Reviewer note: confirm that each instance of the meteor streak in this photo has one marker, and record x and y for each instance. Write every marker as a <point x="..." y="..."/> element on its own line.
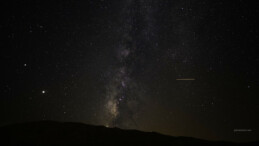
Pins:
<point x="187" y="79"/>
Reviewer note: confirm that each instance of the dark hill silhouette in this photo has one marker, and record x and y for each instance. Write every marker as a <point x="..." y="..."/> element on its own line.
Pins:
<point x="57" y="133"/>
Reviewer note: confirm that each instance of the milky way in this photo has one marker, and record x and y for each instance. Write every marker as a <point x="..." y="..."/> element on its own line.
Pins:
<point x="124" y="94"/>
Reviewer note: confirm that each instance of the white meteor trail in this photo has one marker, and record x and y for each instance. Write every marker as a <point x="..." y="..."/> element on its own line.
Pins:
<point x="186" y="79"/>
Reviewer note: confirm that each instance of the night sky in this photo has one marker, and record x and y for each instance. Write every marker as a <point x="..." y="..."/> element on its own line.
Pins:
<point x="177" y="67"/>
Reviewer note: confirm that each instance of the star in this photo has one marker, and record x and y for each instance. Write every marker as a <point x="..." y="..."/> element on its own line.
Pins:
<point x="43" y="91"/>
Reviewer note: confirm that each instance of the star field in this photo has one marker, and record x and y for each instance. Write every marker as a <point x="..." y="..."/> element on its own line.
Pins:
<point x="182" y="68"/>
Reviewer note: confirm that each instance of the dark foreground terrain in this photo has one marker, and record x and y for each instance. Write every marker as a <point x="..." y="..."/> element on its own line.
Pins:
<point x="56" y="133"/>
